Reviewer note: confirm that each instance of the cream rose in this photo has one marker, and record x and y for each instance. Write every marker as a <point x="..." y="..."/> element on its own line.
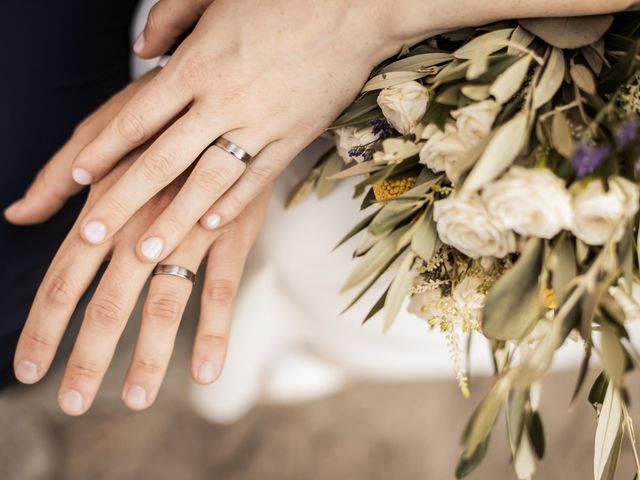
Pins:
<point x="443" y="150"/>
<point x="464" y="223"/>
<point x="349" y="138"/>
<point x="468" y="297"/>
<point x="531" y="202"/>
<point x="474" y="121"/>
<point x="600" y="215"/>
<point x="425" y="305"/>
<point x="404" y="105"/>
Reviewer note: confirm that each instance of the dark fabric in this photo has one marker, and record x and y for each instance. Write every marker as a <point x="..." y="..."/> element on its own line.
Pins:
<point x="59" y="60"/>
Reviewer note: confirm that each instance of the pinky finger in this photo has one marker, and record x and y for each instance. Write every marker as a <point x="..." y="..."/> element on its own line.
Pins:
<point x="224" y="270"/>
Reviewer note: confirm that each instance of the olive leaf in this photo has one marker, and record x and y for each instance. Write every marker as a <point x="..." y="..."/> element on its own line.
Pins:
<point x="392" y="214"/>
<point x="372" y="261"/>
<point x="475" y="92"/>
<point x="551" y="79"/>
<point x="514" y="305"/>
<point x="425" y="239"/>
<point x="501" y="151"/>
<point x="468" y="465"/>
<point x="569" y="33"/>
<point x="609" y="423"/>
<point x="481" y="423"/>
<point x="487" y="43"/>
<point x="358" y="169"/>
<point x="398" y="290"/>
<point x="367" y="103"/>
<point x="535" y="430"/>
<point x="509" y="82"/>
<point x="332" y="165"/>
<point x="385" y="80"/>
<point x="561" y="136"/>
<point x="417" y="63"/>
<point x="583" y="78"/>
<point x="521" y="38"/>
<point x="612" y="353"/>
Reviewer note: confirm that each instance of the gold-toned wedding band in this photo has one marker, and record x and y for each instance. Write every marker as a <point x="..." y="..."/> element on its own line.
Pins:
<point x="230" y="147"/>
<point x="175" y="271"/>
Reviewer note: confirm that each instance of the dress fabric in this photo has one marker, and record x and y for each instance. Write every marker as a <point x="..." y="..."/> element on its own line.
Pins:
<point x="60" y="60"/>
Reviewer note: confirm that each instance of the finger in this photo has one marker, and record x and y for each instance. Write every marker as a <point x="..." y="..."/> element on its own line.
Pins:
<point x="163" y="310"/>
<point x="159" y="165"/>
<point x="104" y="321"/>
<point x="142" y="117"/>
<point x="167" y="20"/>
<point x="225" y="264"/>
<point x="216" y="171"/>
<point x="259" y="174"/>
<point x="68" y="277"/>
<point x="54" y="184"/>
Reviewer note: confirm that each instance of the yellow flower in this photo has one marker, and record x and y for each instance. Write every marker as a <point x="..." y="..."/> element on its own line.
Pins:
<point x="390" y="189"/>
<point x="550" y="300"/>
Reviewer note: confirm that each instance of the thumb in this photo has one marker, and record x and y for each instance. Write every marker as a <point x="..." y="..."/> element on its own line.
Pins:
<point x="167" y="21"/>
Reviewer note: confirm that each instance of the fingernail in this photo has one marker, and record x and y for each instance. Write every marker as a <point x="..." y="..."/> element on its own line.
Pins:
<point x="71" y="402"/>
<point x="163" y="60"/>
<point x="14" y="208"/>
<point x="207" y="372"/>
<point x="26" y="371"/>
<point x="135" y="397"/>
<point x="95" y="232"/>
<point x="81" y="176"/>
<point x="138" y="45"/>
<point x="152" y="247"/>
<point x="212" y="220"/>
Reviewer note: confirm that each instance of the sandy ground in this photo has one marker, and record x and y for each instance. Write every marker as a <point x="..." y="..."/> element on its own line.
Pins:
<point x="369" y="431"/>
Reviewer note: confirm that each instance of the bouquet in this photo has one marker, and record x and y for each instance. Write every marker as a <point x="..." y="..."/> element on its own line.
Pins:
<point x="501" y="165"/>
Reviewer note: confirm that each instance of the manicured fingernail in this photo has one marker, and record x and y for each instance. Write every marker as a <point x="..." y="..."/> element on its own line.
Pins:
<point x="14" y="208"/>
<point x="152" y="247"/>
<point x="207" y="372"/>
<point x="26" y="371"/>
<point x="138" y="45"/>
<point x="212" y="220"/>
<point x="95" y="232"/>
<point x="135" y="397"/>
<point x="81" y="176"/>
<point x="71" y="402"/>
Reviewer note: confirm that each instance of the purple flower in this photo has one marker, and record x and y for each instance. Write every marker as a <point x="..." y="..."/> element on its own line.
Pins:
<point x="380" y="127"/>
<point x="587" y="158"/>
<point x="627" y="133"/>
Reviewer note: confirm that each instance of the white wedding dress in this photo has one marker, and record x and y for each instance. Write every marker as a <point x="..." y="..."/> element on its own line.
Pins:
<point x="288" y="341"/>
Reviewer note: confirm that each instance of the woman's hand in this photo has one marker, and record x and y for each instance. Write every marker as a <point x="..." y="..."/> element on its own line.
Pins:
<point x="269" y="76"/>
<point x="72" y="271"/>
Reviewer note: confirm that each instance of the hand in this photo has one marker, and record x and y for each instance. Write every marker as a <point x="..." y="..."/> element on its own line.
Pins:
<point x="72" y="271"/>
<point x="269" y="76"/>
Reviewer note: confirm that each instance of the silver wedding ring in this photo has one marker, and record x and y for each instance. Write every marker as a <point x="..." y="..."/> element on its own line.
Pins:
<point x="230" y="147"/>
<point x="175" y="271"/>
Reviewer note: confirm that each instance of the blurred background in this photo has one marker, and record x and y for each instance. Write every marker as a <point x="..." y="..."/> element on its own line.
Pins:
<point x="305" y="395"/>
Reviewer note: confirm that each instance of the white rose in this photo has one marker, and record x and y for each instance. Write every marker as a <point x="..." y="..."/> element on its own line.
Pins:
<point x="474" y="121"/>
<point x="350" y="137"/>
<point x="443" y="150"/>
<point x="425" y="305"/>
<point x="404" y="105"/>
<point x="464" y="223"/>
<point x="600" y="215"/>
<point x="468" y="298"/>
<point x="531" y="202"/>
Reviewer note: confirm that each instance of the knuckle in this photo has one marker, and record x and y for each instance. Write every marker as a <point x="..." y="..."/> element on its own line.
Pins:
<point x="105" y="314"/>
<point x="57" y="291"/>
<point x="213" y="339"/>
<point x="117" y="209"/>
<point x="163" y="309"/>
<point x="130" y="126"/>
<point x="157" y="166"/>
<point x="148" y="366"/>
<point x="221" y="292"/>
<point x="37" y="341"/>
<point x="212" y="179"/>
<point x="260" y="175"/>
<point x="84" y="369"/>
